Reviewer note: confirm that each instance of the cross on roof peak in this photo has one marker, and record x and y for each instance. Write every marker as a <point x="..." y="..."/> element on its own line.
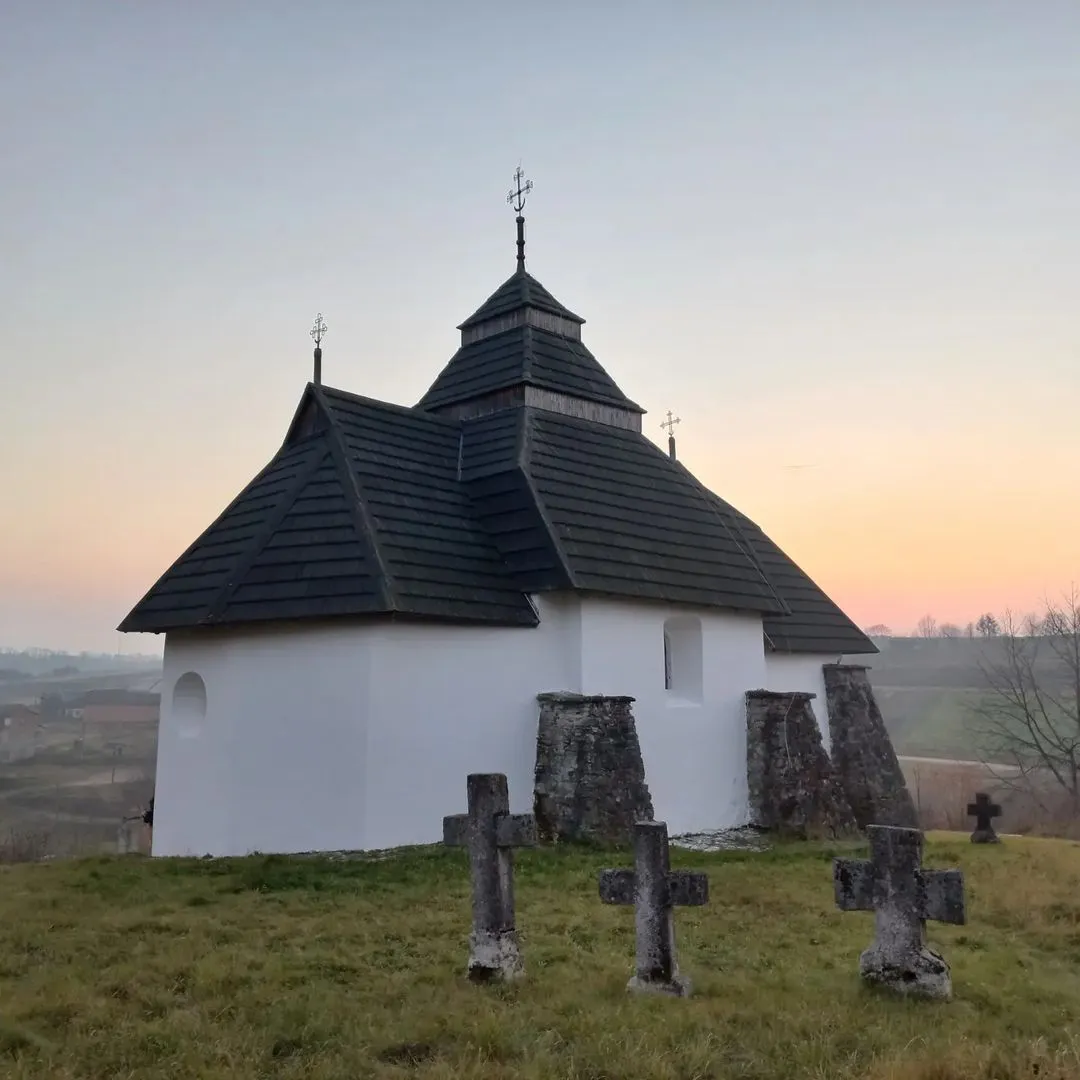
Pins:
<point x="669" y="426"/>
<point x="318" y="332"/>
<point x="519" y="190"/>
<point x="516" y="197"/>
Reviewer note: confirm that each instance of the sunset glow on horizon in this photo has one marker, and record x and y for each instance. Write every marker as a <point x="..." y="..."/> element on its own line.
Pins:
<point x="840" y="245"/>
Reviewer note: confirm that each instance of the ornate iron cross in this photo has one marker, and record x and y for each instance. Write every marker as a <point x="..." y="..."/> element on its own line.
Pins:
<point x="519" y="191"/>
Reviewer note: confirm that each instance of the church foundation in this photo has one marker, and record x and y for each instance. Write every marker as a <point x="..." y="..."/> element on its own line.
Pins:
<point x="590" y="778"/>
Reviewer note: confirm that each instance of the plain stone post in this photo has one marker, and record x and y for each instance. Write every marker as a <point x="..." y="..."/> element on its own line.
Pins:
<point x="491" y="832"/>
<point x="902" y="896"/>
<point x="654" y="890"/>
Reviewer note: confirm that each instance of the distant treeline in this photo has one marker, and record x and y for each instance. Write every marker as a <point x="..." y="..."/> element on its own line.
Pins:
<point x="21" y="664"/>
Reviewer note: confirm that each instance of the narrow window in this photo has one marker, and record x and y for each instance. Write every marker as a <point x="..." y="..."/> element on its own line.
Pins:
<point x="683" y="658"/>
<point x="189" y="704"/>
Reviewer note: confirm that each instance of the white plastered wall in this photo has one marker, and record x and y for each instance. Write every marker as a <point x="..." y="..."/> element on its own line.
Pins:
<point x="451" y="700"/>
<point x="786" y="672"/>
<point x="348" y="735"/>
<point x="694" y="750"/>
<point x="360" y="735"/>
<point x="277" y="764"/>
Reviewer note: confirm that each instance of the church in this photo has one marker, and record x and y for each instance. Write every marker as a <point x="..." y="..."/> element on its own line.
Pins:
<point x="373" y="617"/>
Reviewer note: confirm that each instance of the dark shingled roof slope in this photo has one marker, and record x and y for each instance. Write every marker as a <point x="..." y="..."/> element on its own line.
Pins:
<point x="524" y="356"/>
<point x="518" y="291"/>
<point x="816" y="624"/>
<point x="363" y="517"/>
<point x="575" y="504"/>
<point x="370" y="509"/>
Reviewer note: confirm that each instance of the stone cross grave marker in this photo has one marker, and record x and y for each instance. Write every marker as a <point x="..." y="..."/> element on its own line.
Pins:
<point x="984" y="811"/>
<point x="902" y="896"/>
<point x="491" y="832"/>
<point x="654" y="889"/>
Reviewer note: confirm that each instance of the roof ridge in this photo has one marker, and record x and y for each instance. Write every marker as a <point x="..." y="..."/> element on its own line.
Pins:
<point x="195" y="543"/>
<point x="740" y="539"/>
<point x="528" y="414"/>
<point x="362" y="520"/>
<point x="263" y="536"/>
<point x="527" y="353"/>
<point x="390" y="406"/>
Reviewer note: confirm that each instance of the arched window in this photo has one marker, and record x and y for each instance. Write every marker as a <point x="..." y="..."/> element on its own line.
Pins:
<point x="189" y="704"/>
<point x="683" y="658"/>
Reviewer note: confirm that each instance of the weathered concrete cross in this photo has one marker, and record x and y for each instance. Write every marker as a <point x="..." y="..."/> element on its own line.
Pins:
<point x="902" y="896"/>
<point x="491" y="832"/>
<point x="984" y="811"/>
<point x="653" y="888"/>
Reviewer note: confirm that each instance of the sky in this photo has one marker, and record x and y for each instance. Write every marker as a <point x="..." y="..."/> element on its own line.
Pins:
<point x="840" y="236"/>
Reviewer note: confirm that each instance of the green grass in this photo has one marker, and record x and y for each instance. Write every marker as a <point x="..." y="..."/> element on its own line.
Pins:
<point x="274" y="967"/>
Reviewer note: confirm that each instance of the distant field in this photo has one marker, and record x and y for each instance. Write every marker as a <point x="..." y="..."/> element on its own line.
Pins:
<point x="930" y="721"/>
<point x="70" y="798"/>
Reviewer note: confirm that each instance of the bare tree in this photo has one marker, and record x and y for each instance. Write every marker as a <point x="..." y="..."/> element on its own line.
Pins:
<point x="1030" y="719"/>
<point x="878" y="630"/>
<point x="950" y="630"/>
<point x="988" y="626"/>
<point x="928" y="627"/>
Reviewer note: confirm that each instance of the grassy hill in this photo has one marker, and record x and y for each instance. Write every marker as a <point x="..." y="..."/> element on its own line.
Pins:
<point x="316" y="968"/>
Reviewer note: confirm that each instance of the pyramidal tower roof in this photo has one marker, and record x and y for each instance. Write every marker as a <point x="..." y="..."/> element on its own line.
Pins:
<point x="524" y="347"/>
<point x="520" y="290"/>
<point x="522" y="471"/>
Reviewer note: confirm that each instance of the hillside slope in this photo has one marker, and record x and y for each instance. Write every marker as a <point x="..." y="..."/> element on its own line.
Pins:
<point x="271" y="967"/>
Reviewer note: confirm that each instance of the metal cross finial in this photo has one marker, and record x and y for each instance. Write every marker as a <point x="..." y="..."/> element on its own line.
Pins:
<point x="519" y="190"/>
<point x="669" y="424"/>
<point x="318" y="330"/>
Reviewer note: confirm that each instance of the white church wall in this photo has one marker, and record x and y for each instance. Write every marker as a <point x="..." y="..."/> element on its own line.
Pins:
<point x="693" y="743"/>
<point x="278" y="762"/>
<point x="786" y="672"/>
<point x="451" y="700"/>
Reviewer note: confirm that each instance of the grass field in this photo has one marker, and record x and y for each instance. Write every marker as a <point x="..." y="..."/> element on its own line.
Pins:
<point x="274" y="967"/>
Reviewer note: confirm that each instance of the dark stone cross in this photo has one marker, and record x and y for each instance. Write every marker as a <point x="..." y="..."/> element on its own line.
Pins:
<point x="491" y="832"/>
<point x="902" y="896"/>
<point x="654" y="889"/>
<point x="984" y="811"/>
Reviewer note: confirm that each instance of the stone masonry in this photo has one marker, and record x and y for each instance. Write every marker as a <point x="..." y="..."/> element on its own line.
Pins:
<point x="793" y="788"/>
<point x="590" y="777"/>
<point x="862" y="752"/>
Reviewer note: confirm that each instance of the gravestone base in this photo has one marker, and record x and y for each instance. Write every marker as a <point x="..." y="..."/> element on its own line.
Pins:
<point x="985" y="836"/>
<point x="494" y="956"/>
<point x="920" y="973"/>
<point x="679" y="986"/>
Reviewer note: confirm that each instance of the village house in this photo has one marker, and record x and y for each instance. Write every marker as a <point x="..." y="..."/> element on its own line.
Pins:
<point x="20" y="733"/>
<point x="108" y="706"/>
<point x="374" y="615"/>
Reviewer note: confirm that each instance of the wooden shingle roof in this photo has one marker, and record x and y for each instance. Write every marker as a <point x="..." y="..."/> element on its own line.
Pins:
<point x="519" y="290"/>
<point x="374" y="510"/>
<point x="524" y="356"/>
<point x="363" y="516"/>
